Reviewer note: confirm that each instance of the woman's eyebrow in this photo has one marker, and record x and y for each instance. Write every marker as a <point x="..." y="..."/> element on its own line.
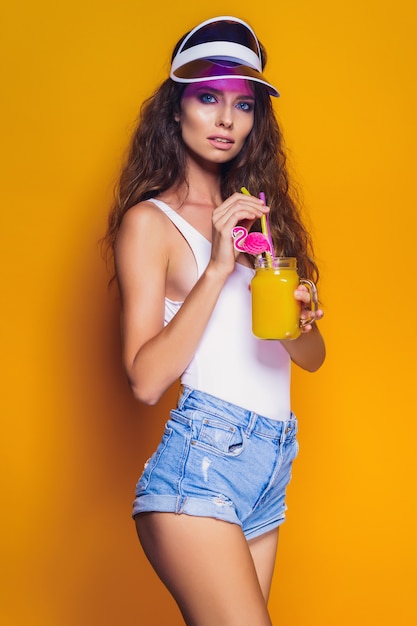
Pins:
<point x="205" y="87"/>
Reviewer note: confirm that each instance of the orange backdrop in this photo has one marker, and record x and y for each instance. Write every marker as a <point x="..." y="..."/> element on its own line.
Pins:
<point x="73" y="439"/>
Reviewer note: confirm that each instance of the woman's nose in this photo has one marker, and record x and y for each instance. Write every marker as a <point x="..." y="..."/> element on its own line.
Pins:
<point x="225" y="118"/>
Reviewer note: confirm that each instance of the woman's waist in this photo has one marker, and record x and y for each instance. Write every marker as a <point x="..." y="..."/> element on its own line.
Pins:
<point x="268" y="398"/>
<point x="205" y="405"/>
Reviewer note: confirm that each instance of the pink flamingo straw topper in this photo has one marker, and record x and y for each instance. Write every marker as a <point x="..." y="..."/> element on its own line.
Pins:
<point x="253" y="243"/>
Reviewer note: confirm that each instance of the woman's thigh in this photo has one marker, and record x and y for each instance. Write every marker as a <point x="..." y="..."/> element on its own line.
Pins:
<point x="207" y="566"/>
<point x="263" y="550"/>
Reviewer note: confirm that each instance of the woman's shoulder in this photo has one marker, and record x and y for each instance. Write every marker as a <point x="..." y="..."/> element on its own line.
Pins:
<point x="142" y="212"/>
<point x="144" y="219"/>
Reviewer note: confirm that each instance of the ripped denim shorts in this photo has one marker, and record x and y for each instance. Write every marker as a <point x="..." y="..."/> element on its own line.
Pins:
<point x="219" y="460"/>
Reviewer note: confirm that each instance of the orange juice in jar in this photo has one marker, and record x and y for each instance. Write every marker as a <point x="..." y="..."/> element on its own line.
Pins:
<point x="275" y="311"/>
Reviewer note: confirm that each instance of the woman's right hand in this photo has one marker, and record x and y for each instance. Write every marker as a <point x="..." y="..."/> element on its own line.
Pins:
<point x="238" y="209"/>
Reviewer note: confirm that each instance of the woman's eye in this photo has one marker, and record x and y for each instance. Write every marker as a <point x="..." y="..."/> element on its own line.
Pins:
<point x="207" y="98"/>
<point x="245" y="106"/>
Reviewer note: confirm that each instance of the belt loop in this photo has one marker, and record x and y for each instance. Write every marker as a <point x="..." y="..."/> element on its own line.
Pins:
<point x="289" y="426"/>
<point x="184" y="392"/>
<point x="253" y="418"/>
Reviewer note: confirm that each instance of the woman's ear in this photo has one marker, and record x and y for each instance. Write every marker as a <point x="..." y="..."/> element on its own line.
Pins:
<point x="177" y="113"/>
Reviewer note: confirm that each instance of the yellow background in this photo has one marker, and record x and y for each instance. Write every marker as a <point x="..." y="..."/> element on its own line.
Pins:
<point x="72" y="438"/>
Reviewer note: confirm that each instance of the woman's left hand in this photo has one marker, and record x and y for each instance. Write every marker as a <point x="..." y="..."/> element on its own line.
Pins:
<point x="302" y="295"/>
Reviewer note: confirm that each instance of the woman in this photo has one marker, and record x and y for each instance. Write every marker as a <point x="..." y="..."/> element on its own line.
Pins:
<point x="212" y="497"/>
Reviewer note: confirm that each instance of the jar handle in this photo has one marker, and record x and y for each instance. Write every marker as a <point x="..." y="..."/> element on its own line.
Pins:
<point x="314" y="301"/>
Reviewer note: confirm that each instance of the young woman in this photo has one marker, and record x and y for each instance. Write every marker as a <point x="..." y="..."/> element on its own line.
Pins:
<point x="212" y="497"/>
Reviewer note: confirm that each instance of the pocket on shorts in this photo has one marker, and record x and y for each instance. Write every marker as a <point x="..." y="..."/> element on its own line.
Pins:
<point x="220" y="436"/>
<point x="291" y="443"/>
<point x="153" y="461"/>
<point x="290" y="451"/>
<point x="296" y="448"/>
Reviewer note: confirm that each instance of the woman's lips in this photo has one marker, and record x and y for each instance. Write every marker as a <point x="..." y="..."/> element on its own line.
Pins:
<point x="223" y="143"/>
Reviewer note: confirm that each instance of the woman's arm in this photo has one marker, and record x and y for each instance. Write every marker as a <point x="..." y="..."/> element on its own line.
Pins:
<point x="155" y="356"/>
<point x="308" y="351"/>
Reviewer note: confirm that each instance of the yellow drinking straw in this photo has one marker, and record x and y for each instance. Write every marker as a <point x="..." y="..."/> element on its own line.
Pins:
<point x="264" y="227"/>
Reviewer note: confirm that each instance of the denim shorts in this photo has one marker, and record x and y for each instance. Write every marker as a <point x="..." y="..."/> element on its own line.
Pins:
<point x="219" y="460"/>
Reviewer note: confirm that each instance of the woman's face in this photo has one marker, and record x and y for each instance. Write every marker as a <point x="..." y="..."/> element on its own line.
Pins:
<point x="216" y="118"/>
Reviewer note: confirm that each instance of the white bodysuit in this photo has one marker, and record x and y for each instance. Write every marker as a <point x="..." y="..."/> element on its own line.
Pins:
<point x="230" y="362"/>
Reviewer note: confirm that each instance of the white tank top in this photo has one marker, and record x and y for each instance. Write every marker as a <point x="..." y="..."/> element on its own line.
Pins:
<point x="230" y="362"/>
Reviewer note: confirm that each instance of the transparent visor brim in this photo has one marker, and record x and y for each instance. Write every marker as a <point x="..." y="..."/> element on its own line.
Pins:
<point x="203" y="69"/>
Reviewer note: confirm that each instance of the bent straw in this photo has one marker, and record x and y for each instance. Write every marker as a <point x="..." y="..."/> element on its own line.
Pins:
<point x="266" y="232"/>
<point x="265" y="223"/>
<point x="264" y="226"/>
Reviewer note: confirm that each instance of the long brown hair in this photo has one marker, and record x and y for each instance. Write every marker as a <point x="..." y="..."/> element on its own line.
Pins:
<point x="156" y="160"/>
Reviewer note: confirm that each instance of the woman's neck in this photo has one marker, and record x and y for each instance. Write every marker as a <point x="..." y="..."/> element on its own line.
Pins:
<point x="203" y="183"/>
<point x="202" y="189"/>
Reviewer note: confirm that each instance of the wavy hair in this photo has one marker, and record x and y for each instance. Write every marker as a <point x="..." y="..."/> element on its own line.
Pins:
<point x="156" y="161"/>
